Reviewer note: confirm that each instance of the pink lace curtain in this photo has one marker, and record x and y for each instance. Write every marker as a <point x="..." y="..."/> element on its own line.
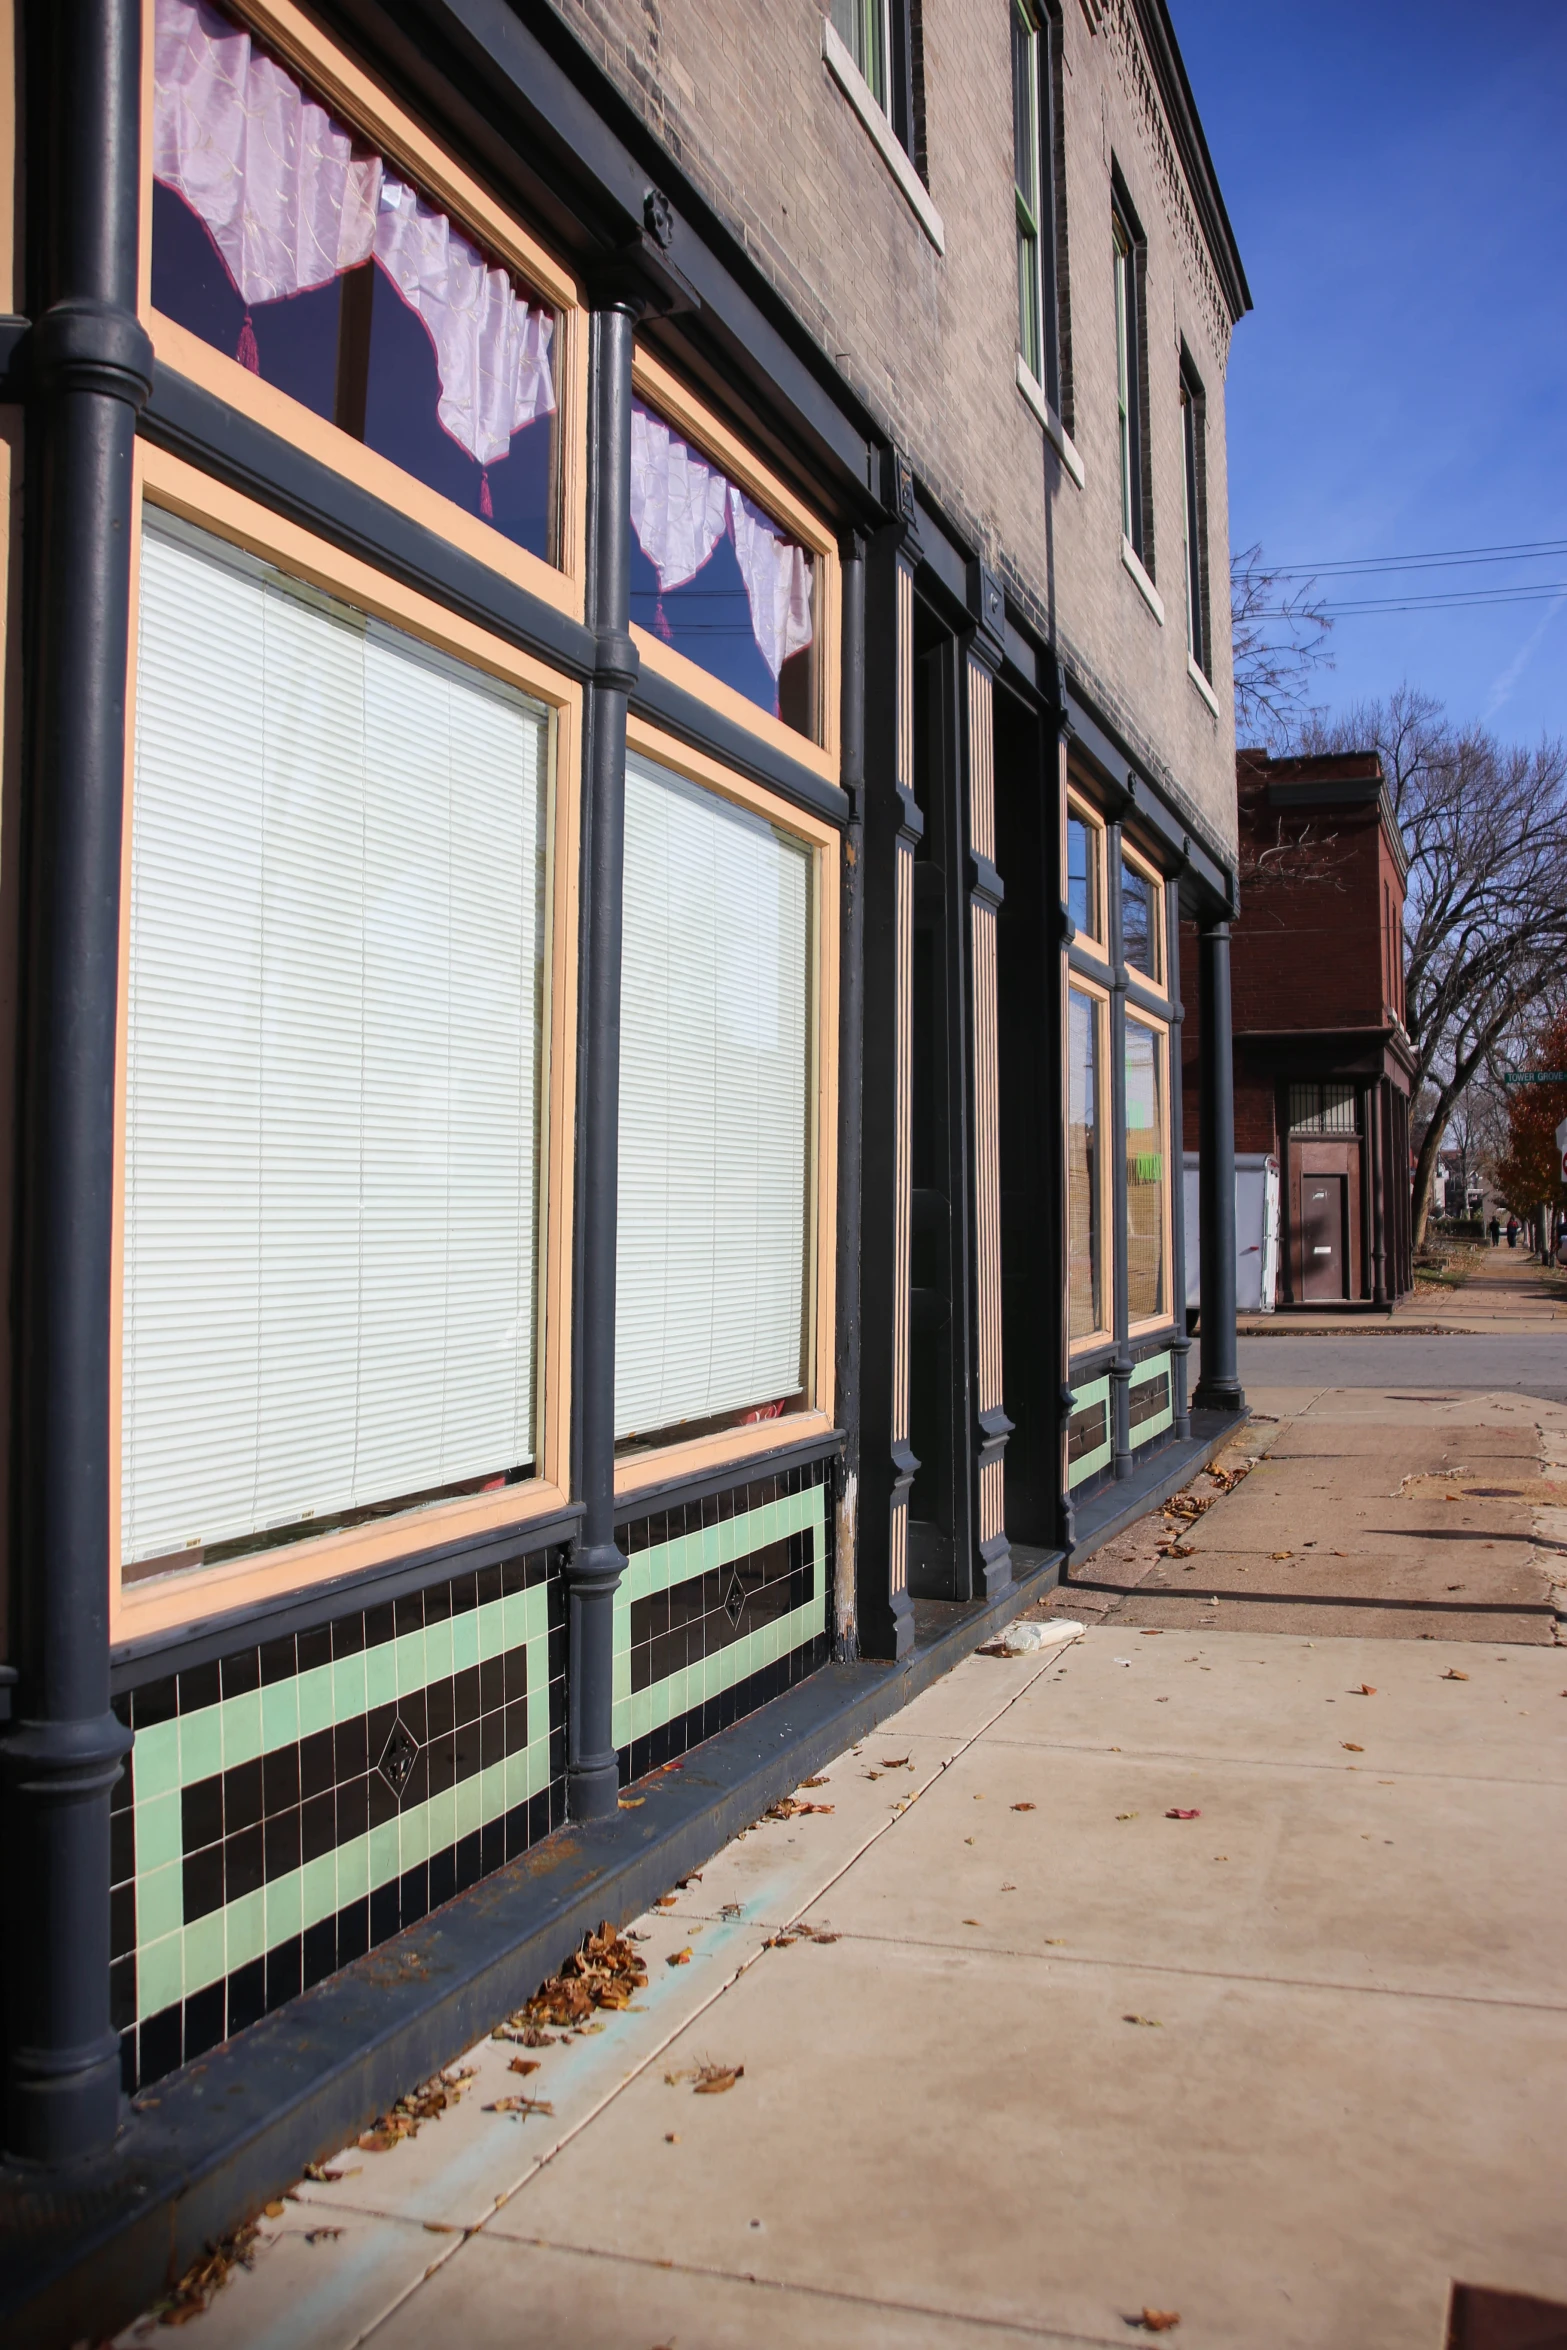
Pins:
<point x="291" y="202"/>
<point x="681" y="506"/>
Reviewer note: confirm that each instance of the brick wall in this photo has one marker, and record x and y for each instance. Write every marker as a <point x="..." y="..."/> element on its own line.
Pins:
<point x="741" y="96"/>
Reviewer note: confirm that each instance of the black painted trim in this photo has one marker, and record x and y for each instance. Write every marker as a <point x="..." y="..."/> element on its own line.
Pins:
<point x="664" y="704"/>
<point x="1164" y="1466"/>
<point x="134" y="1662"/>
<point x="1196" y="859"/>
<point x="192" y="423"/>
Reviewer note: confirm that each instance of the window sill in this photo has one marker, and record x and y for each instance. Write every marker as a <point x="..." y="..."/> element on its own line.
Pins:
<point x="1144" y="585"/>
<point x="1203" y="687"/>
<point x="1055" y="431"/>
<point x="862" y="98"/>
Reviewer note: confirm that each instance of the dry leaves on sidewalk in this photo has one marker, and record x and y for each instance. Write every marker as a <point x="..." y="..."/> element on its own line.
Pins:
<point x="1156" y="2321"/>
<point x="798" y="1932"/>
<point x="1350" y="1747"/>
<point x="1025" y="1807"/>
<point x="1453" y="1674"/>
<point x="207" y="2276"/>
<point x="424" y="2104"/>
<point x="606" y="1972"/>
<point x="708" y="2080"/>
<point x="522" y="2105"/>
<point x="1176" y="1813"/>
<point x="789" y="1807"/>
<point x="1150" y="2023"/>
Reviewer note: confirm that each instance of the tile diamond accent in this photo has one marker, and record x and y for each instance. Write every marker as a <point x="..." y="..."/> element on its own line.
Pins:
<point x="398" y="1757"/>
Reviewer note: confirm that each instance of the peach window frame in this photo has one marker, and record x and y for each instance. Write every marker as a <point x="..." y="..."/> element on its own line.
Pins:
<point x="1104" y="1097"/>
<point x="1086" y="813"/>
<point x="1159" y="1030"/>
<point x="361" y="103"/>
<point x="1158" y="925"/>
<point x="679" y="406"/>
<point x="659" y="1464"/>
<point x="179" y="1598"/>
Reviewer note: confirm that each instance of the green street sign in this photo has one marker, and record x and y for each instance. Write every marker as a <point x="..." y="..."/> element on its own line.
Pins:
<point x="1537" y="1077"/>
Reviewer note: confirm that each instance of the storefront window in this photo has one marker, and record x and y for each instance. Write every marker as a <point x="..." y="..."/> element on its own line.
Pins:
<point x="1147" y="1175"/>
<point x="284" y="240"/>
<point x="1085" y="1183"/>
<point x="1083" y="861"/>
<point x="334" y="1067"/>
<point x="717" y="578"/>
<point x="716" y="1059"/>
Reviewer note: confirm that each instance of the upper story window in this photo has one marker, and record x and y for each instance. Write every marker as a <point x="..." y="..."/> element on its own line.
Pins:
<point x="879" y="36"/>
<point x="1142" y="920"/>
<point x="283" y="238"/>
<point x="1194" y="460"/>
<point x="1085" y="873"/>
<point x="719" y="579"/>
<point x="1034" y="103"/>
<point x="1322" y="1109"/>
<point x="1129" y="382"/>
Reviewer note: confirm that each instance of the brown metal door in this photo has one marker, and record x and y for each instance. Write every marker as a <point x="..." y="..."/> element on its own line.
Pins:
<point x="1324" y="1222"/>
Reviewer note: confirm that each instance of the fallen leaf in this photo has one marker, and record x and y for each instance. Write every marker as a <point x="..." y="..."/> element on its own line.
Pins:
<point x="1350" y="1747"/>
<point x="973" y="1922"/>
<point x="1281" y="1554"/>
<point x="692" y="1877"/>
<point x="1366" y="1689"/>
<point x="895" y="1762"/>
<point x="1126" y="1815"/>
<point x="208" y="2275"/>
<point x="321" y="2235"/>
<point x="1153" y="1632"/>
<point x="665" y="1901"/>
<point x="520" y="2105"/>
<point x="1055" y="1941"/>
<point x="714" y="2079"/>
<point x="729" y="1909"/>
<point x="1453" y="1674"/>
<point x="1176" y="1813"/>
<point x="816" y="1782"/>
<point x="1158" y="2321"/>
<point x="273" y="2210"/>
<point x="1150" y="2023"/>
<point x="1025" y="1807"/>
<point x="441" y="2227"/>
<point x="523" y="2064"/>
<point x="322" y="2176"/>
<point x="632" y="1802"/>
<point x="679" y="1958"/>
<point x="1009" y="1888"/>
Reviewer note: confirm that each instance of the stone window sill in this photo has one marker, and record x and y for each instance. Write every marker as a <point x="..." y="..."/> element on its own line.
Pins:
<point x="1144" y="585"/>
<point x="1202" y="685"/>
<point x="863" y="99"/>
<point x="1055" y="431"/>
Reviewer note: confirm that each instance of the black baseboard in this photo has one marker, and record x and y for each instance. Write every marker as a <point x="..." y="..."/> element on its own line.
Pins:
<point x="1156" y="1474"/>
<point x="81" y="2252"/>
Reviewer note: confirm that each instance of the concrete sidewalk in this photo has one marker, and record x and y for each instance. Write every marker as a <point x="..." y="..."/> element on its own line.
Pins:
<point x="1285" y="2067"/>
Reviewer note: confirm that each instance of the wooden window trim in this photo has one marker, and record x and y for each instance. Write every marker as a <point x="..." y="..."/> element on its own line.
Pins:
<point x="1156" y="984"/>
<point x="163" y="1603"/>
<point x="1099" y="993"/>
<point x="674" y="400"/>
<point x="1086" y="813"/>
<point x="360" y="101"/>
<point x="1159" y="1030"/>
<point x="660" y="1464"/>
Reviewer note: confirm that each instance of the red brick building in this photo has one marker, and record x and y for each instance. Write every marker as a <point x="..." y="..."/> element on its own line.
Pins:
<point x="1323" y="1068"/>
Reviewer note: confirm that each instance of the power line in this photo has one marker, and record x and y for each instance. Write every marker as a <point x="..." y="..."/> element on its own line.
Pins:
<point x="1527" y="550"/>
<point x="1479" y="599"/>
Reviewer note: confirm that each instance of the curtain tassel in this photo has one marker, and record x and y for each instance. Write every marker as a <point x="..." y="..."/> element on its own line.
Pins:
<point x="247" y="354"/>
<point x="486" y="504"/>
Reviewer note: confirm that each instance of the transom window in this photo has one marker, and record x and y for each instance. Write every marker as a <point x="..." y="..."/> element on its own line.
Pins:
<point x="283" y="239"/>
<point x="1142" y="920"/>
<point x="1085" y="873"/>
<point x="1323" y="1109"/>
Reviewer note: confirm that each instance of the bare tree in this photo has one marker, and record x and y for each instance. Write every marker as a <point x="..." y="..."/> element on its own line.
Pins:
<point x="1485" y="922"/>
<point x="1279" y="633"/>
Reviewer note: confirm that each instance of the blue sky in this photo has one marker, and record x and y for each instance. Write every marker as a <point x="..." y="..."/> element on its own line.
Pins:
<point x="1396" y="171"/>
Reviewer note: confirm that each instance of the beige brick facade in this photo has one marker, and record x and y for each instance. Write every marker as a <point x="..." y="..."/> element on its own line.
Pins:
<point x="744" y="101"/>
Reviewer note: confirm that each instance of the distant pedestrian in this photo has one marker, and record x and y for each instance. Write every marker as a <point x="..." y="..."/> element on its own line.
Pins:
<point x="1512" y="1232"/>
<point x="1495" y="1230"/>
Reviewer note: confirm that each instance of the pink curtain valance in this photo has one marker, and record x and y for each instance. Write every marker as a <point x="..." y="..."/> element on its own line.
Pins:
<point x="681" y="506"/>
<point x="291" y="201"/>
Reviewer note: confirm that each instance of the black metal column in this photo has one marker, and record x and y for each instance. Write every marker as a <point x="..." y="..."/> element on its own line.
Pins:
<point x="1219" y="1385"/>
<point x="1066" y="1531"/>
<point x="851" y="1063"/>
<point x="1120" y="1366"/>
<point x="89" y="369"/>
<point x="596" y="1562"/>
<point x="1180" y="1344"/>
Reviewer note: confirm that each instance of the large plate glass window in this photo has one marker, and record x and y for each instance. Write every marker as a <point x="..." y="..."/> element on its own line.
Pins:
<point x="716" y="1054"/>
<point x="283" y="239"/>
<point x="1147" y="1174"/>
<point x="719" y="578"/>
<point x="1087" y="1273"/>
<point x="334" y="1067"/>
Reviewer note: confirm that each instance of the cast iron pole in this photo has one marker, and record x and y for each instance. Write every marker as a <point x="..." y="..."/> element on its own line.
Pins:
<point x="1219" y="1384"/>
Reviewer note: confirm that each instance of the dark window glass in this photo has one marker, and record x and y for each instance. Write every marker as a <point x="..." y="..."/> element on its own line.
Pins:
<point x="1082" y="875"/>
<point x="1140" y="922"/>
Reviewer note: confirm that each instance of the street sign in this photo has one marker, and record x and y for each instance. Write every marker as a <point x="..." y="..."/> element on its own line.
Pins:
<point x="1536" y="1077"/>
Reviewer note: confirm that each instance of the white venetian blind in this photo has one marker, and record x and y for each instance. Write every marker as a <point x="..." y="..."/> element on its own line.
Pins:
<point x="333" y="1063"/>
<point x="714" y="1133"/>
